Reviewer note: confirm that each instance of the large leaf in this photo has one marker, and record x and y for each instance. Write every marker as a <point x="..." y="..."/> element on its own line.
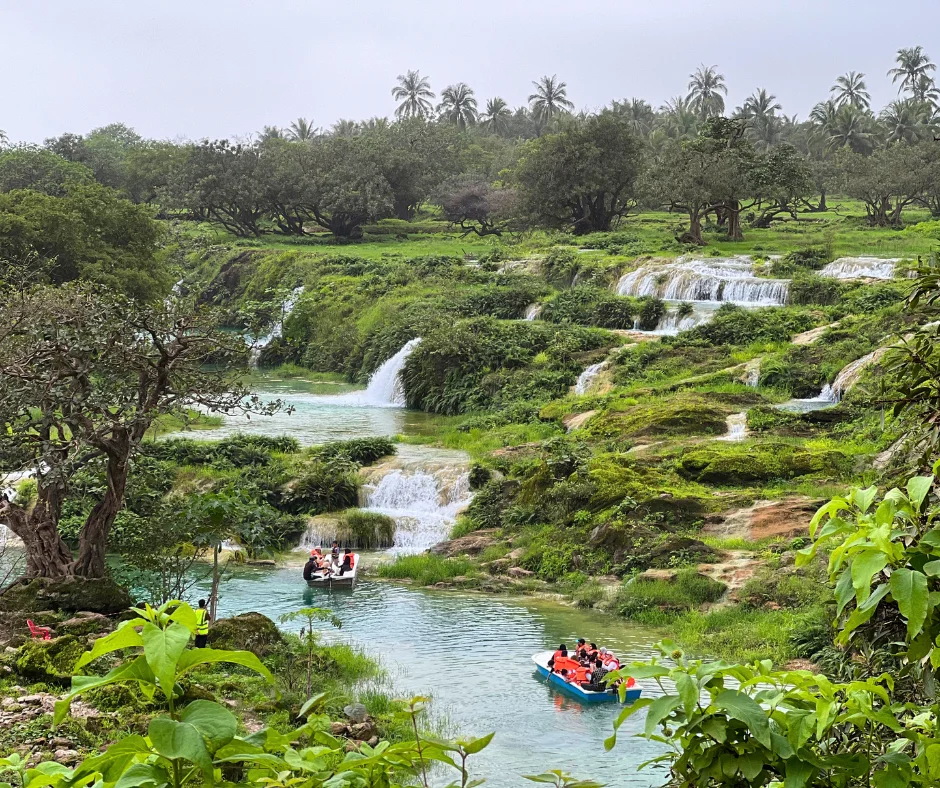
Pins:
<point x="163" y="649"/>
<point x="124" y="637"/>
<point x="688" y="691"/>
<point x="624" y="715"/>
<point x="917" y="489"/>
<point x="660" y="708"/>
<point x="864" y="567"/>
<point x="137" y="670"/>
<point x="216" y="723"/>
<point x="745" y="709"/>
<point x="144" y="775"/>
<point x="113" y="762"/>
<point x="174" y="740"/>
<point x="205" y="656"/>
<point x="909" y="590"/>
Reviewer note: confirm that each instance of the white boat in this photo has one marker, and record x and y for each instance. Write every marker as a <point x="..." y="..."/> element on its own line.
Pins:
<point x="327" y="579"/>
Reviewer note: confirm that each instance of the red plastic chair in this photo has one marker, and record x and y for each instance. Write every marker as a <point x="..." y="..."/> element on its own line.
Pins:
<point x="43" y="633"/>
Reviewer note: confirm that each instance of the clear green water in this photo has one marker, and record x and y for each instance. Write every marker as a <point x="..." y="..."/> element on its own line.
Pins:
<point x="471" y="653"/>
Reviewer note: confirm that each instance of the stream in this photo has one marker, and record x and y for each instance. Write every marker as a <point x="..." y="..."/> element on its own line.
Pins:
<point x="470" y="652"/>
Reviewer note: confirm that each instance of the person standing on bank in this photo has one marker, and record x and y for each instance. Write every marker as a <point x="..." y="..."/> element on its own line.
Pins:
<point x="202" y="625"/>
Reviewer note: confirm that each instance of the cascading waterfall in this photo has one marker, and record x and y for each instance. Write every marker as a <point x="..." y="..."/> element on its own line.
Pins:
<point x="286" y="308"/>
<point x="586" y="378"/>
<point x="832" y="393"/>
<point x="752" y="372"/>
<point x="717" y="280"/>
<point x="533" y="311"/>
<point x="385" y="387"/>
<point x="737" y="428"/>
<point x="860" y="268"/>
<point x="423" y="504"/>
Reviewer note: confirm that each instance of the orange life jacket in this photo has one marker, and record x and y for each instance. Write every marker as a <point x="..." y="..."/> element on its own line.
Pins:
<point x="583" y="675"/>
<point x="559" y="654"/>
<point x="569" y="664"/>
<point x="612" y="664"/>
<point x="352" y="560"/>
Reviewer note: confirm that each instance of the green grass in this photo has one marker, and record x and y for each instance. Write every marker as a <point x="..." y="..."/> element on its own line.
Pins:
<point x="164" y="425"/>
<point x="688" y="591"/>
<point x="426" y="569"/>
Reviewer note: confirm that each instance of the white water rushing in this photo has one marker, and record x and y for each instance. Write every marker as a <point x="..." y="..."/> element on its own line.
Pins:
<point x="737" y="428"/>
<point x="385" y="388"/>
<point x="861" y="268"/>
<point x="286" y="308"/>
<point x="586" y="378"/>
<point x="729" y="279"/>
<point x="423" y="504"/>
<point x="832" y="393"/>
<point x="533" y="311"/>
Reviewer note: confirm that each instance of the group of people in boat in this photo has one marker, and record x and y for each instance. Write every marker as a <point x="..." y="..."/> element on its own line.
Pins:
<point x="587" y="666"/>
<point x="320" y="565"/>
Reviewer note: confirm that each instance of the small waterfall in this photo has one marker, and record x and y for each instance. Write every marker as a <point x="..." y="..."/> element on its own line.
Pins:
<point x="718" y="280"/>
<point x="737" y="428"/>
<point x="385" y="387"/>
<point x="671" y="323"/>
<point x="752" y="372"/>
<point x="860" y="268"/>
<point x="533" y="311"/>
<point x="286" y="308"/>
<point x="424" y="505"/>
<point x="832" y="393"/>
<point x="586" y="378"/>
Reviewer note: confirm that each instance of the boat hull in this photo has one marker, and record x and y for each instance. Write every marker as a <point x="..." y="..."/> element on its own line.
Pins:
<point x="586" y="696"/>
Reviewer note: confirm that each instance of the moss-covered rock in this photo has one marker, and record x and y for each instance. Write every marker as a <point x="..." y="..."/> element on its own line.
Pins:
<point x="72" y="594"/>
<point x="759" y="464"/>
<point x="49" y="660"/>
<point x="656" y="418"/>
<point x="249" y="632"/>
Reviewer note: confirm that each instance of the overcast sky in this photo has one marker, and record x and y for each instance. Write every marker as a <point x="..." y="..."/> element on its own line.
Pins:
<point x="213" y="68"/>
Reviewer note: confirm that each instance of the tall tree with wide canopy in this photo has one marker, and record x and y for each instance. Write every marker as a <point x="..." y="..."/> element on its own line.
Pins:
<point x="415" y="94"/>
<point x="851" y="89"/>
<point x="706" y="91"/>
<point x="458" y="105"/>
<point x="83" y="375"/>
<point x="583" y="178"/>
<point x="550" y="99"/>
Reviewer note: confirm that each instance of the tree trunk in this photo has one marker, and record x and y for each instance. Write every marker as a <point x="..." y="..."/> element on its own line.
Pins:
<point x="822" y="201"/>
<point x="47" y="554"/>
<point x="733" y="215"/>
<point x="93" y="540"/>
<point x="694" y="234"/>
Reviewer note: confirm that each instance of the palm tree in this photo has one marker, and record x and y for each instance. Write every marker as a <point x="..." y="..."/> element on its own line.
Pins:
<point x="678" y="119"/>
<point x="271" y="133"/>
<point x="458" y="105"/>
<point x="497" y="115"/>
<point x="414" y="93"/>
<point x="913" y="63"/>
<point x="345" y="128"/>
<point x="301" y="130"/>
<point x="638" y="113"/>
<point x="705" y="91"/>
<point x="905" y="120"/>
<point x="4" y="139"/>
<point x="851" y="89"/>
<point x="760" y="110"/>
<point x="550" y="99"/>
<point x="925" y="89"/>
<point x="852" y="128"/>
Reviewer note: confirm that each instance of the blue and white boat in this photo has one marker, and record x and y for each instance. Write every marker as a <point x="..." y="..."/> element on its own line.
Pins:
<point x="588" y="696"/>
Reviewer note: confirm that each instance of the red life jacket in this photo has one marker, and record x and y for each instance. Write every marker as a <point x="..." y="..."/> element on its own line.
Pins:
<point x="352" y="560"/>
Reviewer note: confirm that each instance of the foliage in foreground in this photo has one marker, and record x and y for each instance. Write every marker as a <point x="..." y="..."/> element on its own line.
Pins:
<point x="737" y="725"/>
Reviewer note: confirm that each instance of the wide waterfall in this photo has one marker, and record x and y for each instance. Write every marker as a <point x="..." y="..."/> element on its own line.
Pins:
<point x="728" y="279"/>
<point x="586" y="378"/>
<point x="385" y="387"/>
<point x="423" y="503"/>
<point x="533" y="311"/>
<point x="286" y="308"/>
<point x="861" y="268"/>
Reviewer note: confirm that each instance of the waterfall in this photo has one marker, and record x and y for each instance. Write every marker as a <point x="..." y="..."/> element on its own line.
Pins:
<point x="586" y="378"/>
<point x="752" y="372"/>
<point x="533" y="311"/>
<point x="718" y="280"/>
<point x="286" y="308"/>
<point x="424" y="505"/>
<point x="671" y="323"/>
<point x="832" y="393"/>
<point x="860" y="268"/>
<point x="737" y="428"/>
<point x="385" y="388"/>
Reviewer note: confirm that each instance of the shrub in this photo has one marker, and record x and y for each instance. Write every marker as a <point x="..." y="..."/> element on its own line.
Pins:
<point x="735" y="325"/>
<point x="362" y="451"/>
<point x="651" y="312"/>
<point x="426" y="568"/>
<point x="324" y="487"/>
<point x="688" y="590"/>
<point x="812" y="258"/>
<point x="813" y="289"/>
<point x="560" y="265"/>
<point x="371" y="530"/>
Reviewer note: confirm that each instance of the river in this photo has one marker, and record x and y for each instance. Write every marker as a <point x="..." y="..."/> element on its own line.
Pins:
<point x="470" y="652"/>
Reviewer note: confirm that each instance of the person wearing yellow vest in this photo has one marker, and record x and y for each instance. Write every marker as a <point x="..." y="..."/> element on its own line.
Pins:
<point x="202" y="624"/>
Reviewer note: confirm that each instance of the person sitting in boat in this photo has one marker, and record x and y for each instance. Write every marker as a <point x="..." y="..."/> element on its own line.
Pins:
<point x="561" y="651"/>
<point x="580" y="649"/>
<point x="581" y="675"/>
<point x="610" y="662"/>
<point x="347" y="564"/>
<point x="590" y="651"/>
<point x="595" y="681"/>
<point x="312" y="565"/>
<point x="334" y="553"/>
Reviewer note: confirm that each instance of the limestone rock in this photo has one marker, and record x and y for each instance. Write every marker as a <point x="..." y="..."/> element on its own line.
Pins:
<point x="67" y="757"/>
<point x="356" y="712"/>
<point x="71" y="594"/>
<point x="338" y="728"/>
<point x="471" y="544"/>
<point x="85" y="623"/>
<point x="48" y="660"/>
<point x="249" y="632"/>
<point x="520" y="573"/>
<point x="363" y="731"/>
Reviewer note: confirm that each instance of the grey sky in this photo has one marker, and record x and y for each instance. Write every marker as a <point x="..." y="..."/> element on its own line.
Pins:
<point x="208" y="68"/>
